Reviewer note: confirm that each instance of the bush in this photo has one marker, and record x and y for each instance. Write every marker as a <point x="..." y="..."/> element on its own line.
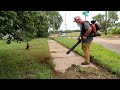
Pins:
<point x="118" y="30"/>
<point x="115" y="31"/>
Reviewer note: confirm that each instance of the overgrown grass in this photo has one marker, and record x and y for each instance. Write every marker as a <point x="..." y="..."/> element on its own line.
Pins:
<point x="102" y="56"/>
<point x="18" y="63"/>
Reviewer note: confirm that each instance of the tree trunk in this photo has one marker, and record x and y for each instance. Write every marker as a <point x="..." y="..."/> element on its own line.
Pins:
<point x="105" y="22"/>
<point x="27" y="46"/>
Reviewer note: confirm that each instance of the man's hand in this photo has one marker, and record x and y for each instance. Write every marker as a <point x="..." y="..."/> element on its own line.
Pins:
<point x="78" y="38"/>
<point x="84" y="37"/>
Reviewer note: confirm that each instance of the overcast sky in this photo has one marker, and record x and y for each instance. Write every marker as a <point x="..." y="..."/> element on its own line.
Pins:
<point x="70" y="17"/>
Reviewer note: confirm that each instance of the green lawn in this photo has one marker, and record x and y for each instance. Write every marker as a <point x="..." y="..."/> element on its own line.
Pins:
<point x="73" y="34"/>
<point x="18" y="63"/>
<point x="109" y="35"/>
<point x="102" y="56"/>
<point x="76" y="34"/>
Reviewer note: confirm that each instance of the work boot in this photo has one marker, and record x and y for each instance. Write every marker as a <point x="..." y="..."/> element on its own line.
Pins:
<point x="85" y="63"/>
<point x="91" y="58"/>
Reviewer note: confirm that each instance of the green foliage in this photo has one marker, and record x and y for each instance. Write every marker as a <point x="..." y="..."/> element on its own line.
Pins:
<point x="100" y="19"/>
<point x="55" y="19"/>
<point x="7" y="22"/>
<point x="115" y="31"/>
<point x="24" y="24"/>
<point x="117" y="24"/>
<point x="112" y="18"/>
<point x="111" y="22"/>
<point x="41" y="22"/>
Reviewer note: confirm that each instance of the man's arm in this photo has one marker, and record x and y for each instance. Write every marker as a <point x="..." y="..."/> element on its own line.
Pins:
<point x="88" y="29"/>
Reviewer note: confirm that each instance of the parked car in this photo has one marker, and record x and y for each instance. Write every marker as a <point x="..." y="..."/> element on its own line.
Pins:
<point x="64" y="35"/>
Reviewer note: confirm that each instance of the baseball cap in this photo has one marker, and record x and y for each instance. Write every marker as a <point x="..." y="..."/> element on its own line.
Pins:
<point x="76" y="17"/>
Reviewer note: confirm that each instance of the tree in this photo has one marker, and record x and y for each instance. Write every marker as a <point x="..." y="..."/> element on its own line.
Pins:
<point x="41" y="23"/>
<point x="112" y="18"/>
<point x="26" y="25"/>
<point x="7" y="22"/>
<point x="54" y="18"/>
<point x="117" y="24"/>
<point x="99" y="18"/>
<point x="23" y="24"/>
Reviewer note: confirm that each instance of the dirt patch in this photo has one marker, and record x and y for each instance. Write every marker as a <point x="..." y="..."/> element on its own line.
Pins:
<point x="77" y="72"/>
<point x="53" y="52"/>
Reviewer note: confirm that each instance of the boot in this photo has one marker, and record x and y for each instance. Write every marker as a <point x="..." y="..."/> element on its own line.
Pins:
<point x="85" y="63"/>
<point x="91" y="58"/>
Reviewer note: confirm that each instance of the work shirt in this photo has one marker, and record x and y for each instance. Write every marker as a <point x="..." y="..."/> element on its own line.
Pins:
<point x="84" y="28"/>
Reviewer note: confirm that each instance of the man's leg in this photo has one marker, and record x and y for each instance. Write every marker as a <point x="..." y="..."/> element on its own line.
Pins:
<point x="91" y="56"/>
<point x="89" y="48"/>
<point x="85" y="48"/>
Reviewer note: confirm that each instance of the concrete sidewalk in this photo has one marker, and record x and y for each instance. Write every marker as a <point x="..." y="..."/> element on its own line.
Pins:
<point x="63" y="61"/>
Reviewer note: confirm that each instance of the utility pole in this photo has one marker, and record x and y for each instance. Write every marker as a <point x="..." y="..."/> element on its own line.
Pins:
<point x="85" y="18"/>
<point x="65" y="23"/>
<point x="105" y="22"/>
<point x="53" y="27"/>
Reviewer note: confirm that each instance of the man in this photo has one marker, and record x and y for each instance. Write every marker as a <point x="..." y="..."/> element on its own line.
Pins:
<point x="86" y="39"/>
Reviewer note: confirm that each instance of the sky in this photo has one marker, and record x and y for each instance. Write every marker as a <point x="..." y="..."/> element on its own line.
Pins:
<point x="70" y="18"/>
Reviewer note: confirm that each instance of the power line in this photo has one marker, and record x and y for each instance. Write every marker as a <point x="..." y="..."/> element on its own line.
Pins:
<point x="53" y="26"/>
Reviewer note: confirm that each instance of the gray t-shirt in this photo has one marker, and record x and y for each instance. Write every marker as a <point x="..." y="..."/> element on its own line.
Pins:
<point x="86" y="25"/>
<point x="83" y="31"/>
